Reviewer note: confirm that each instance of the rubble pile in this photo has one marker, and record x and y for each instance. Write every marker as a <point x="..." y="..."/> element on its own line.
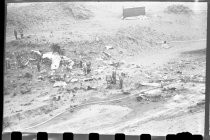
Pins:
<point x="71" y="81"/>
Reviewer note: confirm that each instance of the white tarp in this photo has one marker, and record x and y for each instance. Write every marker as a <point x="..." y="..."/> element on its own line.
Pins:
<point x="37" y="52"/>
<point x="47" y="55"/>
<point x="56" y="59"/>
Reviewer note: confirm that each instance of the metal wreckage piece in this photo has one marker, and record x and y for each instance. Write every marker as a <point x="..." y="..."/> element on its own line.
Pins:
<point x="25" y="59"/>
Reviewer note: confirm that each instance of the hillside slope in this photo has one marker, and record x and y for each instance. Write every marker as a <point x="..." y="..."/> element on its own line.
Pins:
<point x="41" y="15"/>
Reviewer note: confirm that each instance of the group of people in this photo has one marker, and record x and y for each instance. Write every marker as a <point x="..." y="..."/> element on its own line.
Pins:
<point x="16" y="33"/>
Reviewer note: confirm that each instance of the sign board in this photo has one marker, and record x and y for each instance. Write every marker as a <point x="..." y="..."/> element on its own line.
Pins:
<point x="132" y="12"/>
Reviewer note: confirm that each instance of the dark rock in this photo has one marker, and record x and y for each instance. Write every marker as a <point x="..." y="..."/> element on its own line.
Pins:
<point x="25" y="90"/>
<point x="179" y="72"/>
<point x="139" y="98"/>
<point x="137" y="66"/>
<point x="201" y="103"/>
<point x="126" y="92"/>
<point x="91" y="88"/>
<point x="59" y="97"/>
<point x="28" y="75"/>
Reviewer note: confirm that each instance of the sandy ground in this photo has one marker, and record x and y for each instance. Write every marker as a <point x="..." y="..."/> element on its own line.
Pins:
<point x="177" y="110"/>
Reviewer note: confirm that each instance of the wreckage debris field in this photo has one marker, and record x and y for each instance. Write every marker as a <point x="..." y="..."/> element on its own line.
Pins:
<point x="105" y="76"/>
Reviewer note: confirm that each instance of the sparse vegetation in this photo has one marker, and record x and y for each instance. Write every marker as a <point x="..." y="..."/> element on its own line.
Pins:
<point x="178" y="9"/>
<point x="37" y="14"/>
<point x="57" y="49"/>
<point x="76" y="10"/>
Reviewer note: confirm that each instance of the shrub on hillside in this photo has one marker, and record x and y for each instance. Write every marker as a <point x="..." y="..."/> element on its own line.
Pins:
<point x="78" y="11"/>
<point x="178" y="9"/>
<point x="57" y="48"/>
<point x="41" y="14"/>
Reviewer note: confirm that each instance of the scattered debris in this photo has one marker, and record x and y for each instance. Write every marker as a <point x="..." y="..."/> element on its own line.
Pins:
<point x="91" y="88"/>
<point x="107" y="55"/>
<point x="47" y="55"/>
<point x="74" y="80"/>
<point x="154" y="92"/>
<point x="22" y="59"/>
<point x="67" y="62"/>
<point x="88" y="79"/>
<point x="151" y="84"/>
<point x="43" y="71"/>
<point x="109" y="47"/>
<point x="179" y="72"/>
<point x="126" y="92"/>
<point x="169" y="89"/>
<point x="41" y="78"/>
<point x="56" y="98"/>
<point x="59" y="84"/>
<point x="36" y="53"/>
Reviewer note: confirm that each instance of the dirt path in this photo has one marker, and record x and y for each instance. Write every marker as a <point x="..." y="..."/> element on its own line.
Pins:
<point x="129" y="116"/>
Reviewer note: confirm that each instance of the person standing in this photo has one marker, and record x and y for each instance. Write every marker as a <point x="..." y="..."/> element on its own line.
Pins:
<point x="21" y="33"/>
<point x="165" y="45"/>
<point x="121" y="79"/>
<point x="114" y="77"/>
<point x="15" y="34"/>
